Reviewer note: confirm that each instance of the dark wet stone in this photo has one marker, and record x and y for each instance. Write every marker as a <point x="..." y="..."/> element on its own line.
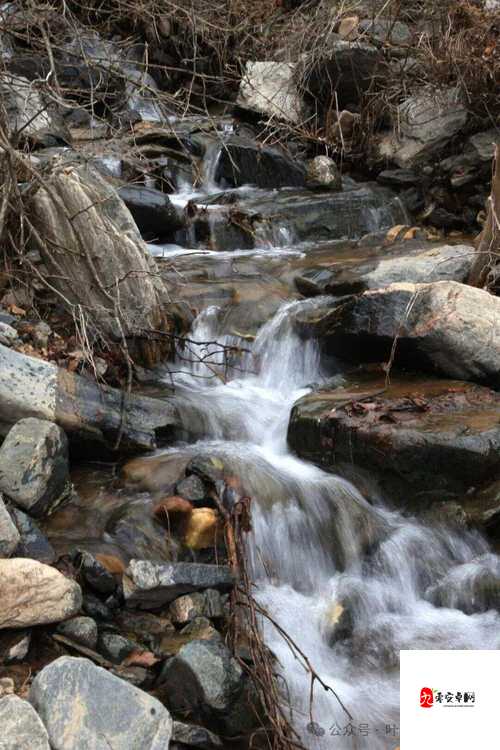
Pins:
<point x="423" y="439"/>
<point x="347" y="72"/>
<point x="115" y="647"/>
<point x="149" y="585"/>
<point x="34" y="544"/>
<point x="191" y="488"/>
<point x="471" y="587"/>
<point x="81" y="630"/>
<point x="94" y="573"/>
<point x="244" y="162"/>
<point x="152" y="211"/>
<point x="193" y="735"/>
<point x="95" y="608"/>
<point x="208" y="468"/>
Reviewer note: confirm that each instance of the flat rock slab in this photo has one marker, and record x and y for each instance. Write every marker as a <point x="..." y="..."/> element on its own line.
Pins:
<point x="20" y="726"/>
<point x="84" y="707"/>
<point x="393" y="265"/>
<point x="422" y="438"/>
<point x="444" y="327"/>
<point x="32" y="593"/>
<point x="149" y="585"/>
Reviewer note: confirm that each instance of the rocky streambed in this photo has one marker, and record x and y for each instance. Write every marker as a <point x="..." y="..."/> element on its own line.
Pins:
<point x="312" y="358"/>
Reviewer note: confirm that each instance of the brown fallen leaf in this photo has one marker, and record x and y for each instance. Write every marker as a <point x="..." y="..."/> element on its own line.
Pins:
<point x="140" y="659"/>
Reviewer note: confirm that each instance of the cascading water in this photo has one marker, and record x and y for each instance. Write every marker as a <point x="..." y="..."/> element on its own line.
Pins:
<point x="346" y="579"/>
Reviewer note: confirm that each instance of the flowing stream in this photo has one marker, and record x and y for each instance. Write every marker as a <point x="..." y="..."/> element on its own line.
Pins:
<point x="324" y="558"/>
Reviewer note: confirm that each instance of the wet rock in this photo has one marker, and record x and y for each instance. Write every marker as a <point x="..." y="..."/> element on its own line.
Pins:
<point x="137" y="533"/>
<point x="424" y="440"/>
<point x="471" y="587"/>
<point x="191" y="488"/>
<point x="34" y="469"/>
<point x="203" y="680"/>
<point x="445" y="327"/>
<point x="303" y="215"/>
<point x="271" y="88"/>
<point x="203" y="529"/>
<point x="193" y="735"/>
<point x="94" y="573"/>
<point x="9" y="535"/>
<point x="427" y="121"/>
<point x="445" y="262"/>
<point x="32" y="593"/>
<point x="115" y="647"/>
<point x="95" y="608"/>
<point x="186" y="608"/>
<point x="323" y="173"/>
<point x="338" y="622"/>
<point x="209" y="469"/>
<point x="398" y="177"/>
<point x="154" y="214"/>
<point x="155" y="473"/>
<point x="79" y="702"/>
<point x="81" y="630"/>
<point x="482" y="508"/>
<point x="242" y="162"/>
<point x="149" y="585"/>
<point x="22" y="728"/>
<point x="173" y="512"/>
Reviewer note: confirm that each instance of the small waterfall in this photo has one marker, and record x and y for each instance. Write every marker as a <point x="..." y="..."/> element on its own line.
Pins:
<point x="351" y="583"/>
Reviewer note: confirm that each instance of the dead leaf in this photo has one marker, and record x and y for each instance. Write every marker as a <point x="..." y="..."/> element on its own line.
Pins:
<point x="140" y="659"/>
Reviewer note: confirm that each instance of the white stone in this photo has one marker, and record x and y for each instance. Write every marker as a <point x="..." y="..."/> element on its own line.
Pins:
<point x="32" y="593"/>
<point x="269" y="87"/>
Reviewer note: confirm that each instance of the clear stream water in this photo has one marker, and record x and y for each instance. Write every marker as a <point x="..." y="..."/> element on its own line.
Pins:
<point x="317" y="543"/>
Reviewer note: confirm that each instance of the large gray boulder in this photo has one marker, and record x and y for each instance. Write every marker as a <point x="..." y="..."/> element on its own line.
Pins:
<point x="20" y="726"/>
<point x="34" y="470"/>
<point x="203" y="680"/>
<point x="444" y="327"/>
<point x="32" y="593"/>
<point x="103" y="252"/>
<point x="271" y="88"/>
<point x="9" y="535"/>
<point x="84" y="707"/>
<point x="426" y="121"/>
<point x="149" y="585"/>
